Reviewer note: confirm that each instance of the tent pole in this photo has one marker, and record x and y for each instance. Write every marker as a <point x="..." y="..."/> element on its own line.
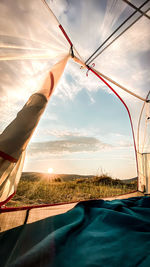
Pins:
<point x="138" y="9"/>
<point x="120" y="86"/>
<point x="90" y="59"/>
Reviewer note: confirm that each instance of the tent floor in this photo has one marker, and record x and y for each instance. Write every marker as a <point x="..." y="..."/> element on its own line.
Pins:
<point x="9" y="220"/>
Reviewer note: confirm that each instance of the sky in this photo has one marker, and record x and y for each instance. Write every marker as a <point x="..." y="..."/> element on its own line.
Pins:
<point x="85" y="128"/>
<point x="86" y="134"/>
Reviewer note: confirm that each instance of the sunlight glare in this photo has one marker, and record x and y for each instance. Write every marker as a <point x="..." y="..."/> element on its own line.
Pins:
<point x="50" y="170"/>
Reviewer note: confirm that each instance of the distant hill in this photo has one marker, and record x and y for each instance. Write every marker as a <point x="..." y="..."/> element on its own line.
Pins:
<point x="64" y="177"/>
<point x="129" y="180"/>
<point x="36" y="176"/>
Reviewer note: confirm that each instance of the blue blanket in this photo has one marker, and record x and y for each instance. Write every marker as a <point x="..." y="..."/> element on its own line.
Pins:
<point x="94" y="233"/>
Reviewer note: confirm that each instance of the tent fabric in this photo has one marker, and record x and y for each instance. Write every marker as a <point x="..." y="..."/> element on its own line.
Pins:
<point x="10" y="176"/>
<point x="94" y="233"/>
<point x="33" y="40"/>
<point x="127" y="68"/>
<point x="15" y="138"/>
<point x="32" y="32"/>
<point x="12" y="220"/>
<point x="144" y="171"/>
<point x="31" y="43"/>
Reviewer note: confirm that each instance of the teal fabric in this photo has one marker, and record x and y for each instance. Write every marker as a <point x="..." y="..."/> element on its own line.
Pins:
<point x="94" y="233"/>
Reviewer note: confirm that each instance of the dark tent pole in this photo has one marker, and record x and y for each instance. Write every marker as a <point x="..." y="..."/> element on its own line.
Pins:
<point x="136" y="8"/>
<point x="88" y="61"/>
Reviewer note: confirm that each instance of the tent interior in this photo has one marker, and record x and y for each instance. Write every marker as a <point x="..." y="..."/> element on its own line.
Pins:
<point x="75" y="115"/>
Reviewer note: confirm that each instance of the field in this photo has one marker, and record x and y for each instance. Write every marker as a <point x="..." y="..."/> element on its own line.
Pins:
<point x="38" y="188"/>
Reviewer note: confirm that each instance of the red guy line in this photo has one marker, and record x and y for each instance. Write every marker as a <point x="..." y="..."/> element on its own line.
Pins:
<point x="126" y="109"/>
<point x="7" y="157"/>
<point x="5" y="201"/>
<point x="65" y="34"/>
<point x="9" y="209"/>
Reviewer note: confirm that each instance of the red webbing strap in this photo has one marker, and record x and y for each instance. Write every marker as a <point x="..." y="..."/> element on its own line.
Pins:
<point x="10" y="209"/>
<point x="52" y="83"/>
<point x="65" y="34"/>
<point x="5" y="201"/>
<point x="7" y="157"/>
<point x="124" y="106"/>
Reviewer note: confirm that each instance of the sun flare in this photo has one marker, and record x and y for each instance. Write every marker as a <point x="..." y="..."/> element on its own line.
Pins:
<point x="50" y="170"/>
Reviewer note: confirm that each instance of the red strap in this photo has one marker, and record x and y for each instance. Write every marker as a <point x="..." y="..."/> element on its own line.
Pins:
<point x="7" y="157"/>
<point x="5" y="201"/>
<point x="52" y="83"/>
<point x="9" y="209"/>
<point x="65" y="34"/>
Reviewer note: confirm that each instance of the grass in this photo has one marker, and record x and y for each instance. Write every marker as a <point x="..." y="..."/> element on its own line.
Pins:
<point x="35" y="190"/>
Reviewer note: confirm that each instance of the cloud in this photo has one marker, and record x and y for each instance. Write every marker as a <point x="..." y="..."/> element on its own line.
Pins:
<point x="78" y="141"/>
<point x="65" y="133"/>
<point x="49" y="116"/>
<point x="70" y="144"/>
<point x="115" y="140"/>
<point x="119" y="141"/>
<point x="75" y="80"/>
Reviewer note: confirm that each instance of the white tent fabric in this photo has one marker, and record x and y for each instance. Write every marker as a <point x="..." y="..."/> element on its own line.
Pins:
<point x="144" y="172"/>
<point x="32" y="41"/>
<point x="132" y="72"/>
<point x="15" y="138"/>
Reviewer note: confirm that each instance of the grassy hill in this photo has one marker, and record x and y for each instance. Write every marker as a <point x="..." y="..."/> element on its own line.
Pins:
<point x="52" y="177"/>
<point x="39" y="188"/>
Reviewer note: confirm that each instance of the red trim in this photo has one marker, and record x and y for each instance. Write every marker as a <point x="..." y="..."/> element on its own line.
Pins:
<point x="5" y="201"/>
<point x="65" y="34"/>
<point x="52" y="83"/>
<point x="11" y="209"/>
<point x="7" y="157"/>
<point x="8" y="209"/>
<point x="126" y="109"/>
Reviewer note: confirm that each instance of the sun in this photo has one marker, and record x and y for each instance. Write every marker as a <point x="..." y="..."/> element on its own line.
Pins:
<point x="50" y="170"/>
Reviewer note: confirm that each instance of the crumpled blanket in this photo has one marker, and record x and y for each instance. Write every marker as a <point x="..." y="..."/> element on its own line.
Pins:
<point x="94" y="233"/>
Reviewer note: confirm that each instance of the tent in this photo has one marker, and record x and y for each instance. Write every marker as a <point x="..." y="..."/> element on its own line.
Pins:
<point x="37" y="42"/>
<point x="22" y="47"/>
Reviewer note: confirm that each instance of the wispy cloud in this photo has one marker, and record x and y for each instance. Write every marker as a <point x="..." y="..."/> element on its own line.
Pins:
<point x="70" y="144"/>
<point x="75" y="80"/>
